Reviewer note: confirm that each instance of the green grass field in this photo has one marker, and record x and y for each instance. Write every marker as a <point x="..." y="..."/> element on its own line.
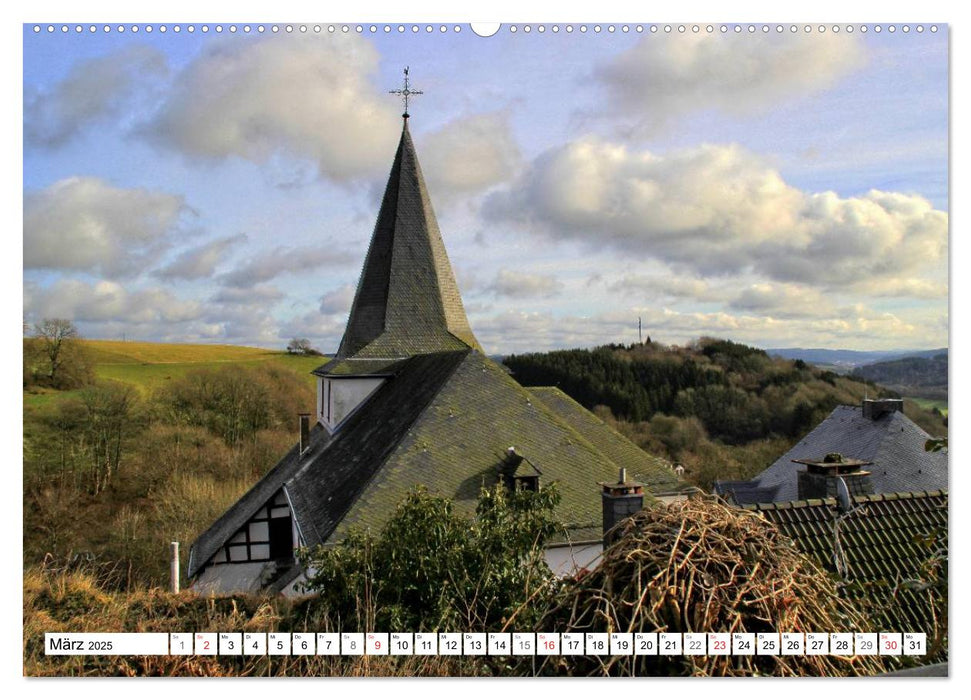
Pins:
<point x="930" y="404"/>
<point x="149" y="365"/>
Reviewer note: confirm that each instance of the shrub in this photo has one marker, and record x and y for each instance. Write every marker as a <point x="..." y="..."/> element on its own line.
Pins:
<point x="432" y="569"/>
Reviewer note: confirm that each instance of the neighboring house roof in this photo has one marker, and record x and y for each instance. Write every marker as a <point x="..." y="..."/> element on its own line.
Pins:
<point x="407" y="301"/>
<point x="885" y="539"/>
<point x="746" y="491"/>
<point x="892" y="442"/>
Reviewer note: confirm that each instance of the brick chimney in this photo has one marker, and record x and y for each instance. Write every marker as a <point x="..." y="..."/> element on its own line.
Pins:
<point x="620" y="501"/>
<point x="820" y="480"/>
<point x="304" y="432"/>
<point x="877" y="408"/>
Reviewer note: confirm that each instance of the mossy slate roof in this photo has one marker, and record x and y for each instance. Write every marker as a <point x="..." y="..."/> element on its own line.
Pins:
<point x="443" y="420"/>
<point x="655" y="473"/>
<point x="407" y="301"/>
<point x="884" y="539"/>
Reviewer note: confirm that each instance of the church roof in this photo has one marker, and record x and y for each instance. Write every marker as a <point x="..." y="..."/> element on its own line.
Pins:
<point x="444" y="420"/>
<point x="655" y="473"/>
<point x="445" y="415"/>
<point x="407" y="301"/>
<point x="892" y="442"/>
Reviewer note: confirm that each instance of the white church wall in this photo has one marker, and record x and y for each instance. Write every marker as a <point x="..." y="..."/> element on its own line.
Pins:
<point x="569" y="559"/>
<point x="340" y="397"/>
<point x="230" y="578"/>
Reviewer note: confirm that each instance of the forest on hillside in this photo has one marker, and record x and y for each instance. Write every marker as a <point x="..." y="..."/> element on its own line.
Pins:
<point x="925" y="377"/>
<point x="723" y="410"/>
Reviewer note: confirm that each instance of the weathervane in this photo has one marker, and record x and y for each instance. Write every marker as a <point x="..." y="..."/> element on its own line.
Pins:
<point x="405" y="93"/>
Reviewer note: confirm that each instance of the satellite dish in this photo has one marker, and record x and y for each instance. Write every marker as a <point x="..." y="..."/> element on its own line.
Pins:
<point x="842" y="494"/>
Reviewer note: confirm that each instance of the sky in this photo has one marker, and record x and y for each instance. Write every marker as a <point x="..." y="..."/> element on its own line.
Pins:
<point x="782" y="189"/>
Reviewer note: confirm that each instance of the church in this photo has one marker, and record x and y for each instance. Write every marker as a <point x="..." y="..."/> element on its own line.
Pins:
<point x="410" y="398"/>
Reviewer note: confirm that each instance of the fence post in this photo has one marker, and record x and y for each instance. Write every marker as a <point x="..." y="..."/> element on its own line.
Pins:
<point x="174" y="570"/>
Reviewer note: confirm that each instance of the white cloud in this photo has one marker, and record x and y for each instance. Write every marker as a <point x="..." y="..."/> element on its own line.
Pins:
<point x="513" y="331"/>
<point x="337" y="301"/>
<point x="83" y="223"/>
<point x="107" y="301"/>
<point x="783" y="301"/>
<point x="324" y="331"/>
<point x="281" y="260"/>
<point x="93" y="90"/>
<point x="200" y="261"/>
<point x="663" y="78"/>
<point x="719" y="210"/>
<point x="671" y="285"/>
<point x="260" y="295"/>
<point x="470" y="154"/>
<point x="523" y="285"/>
<point x="308" y="97"/>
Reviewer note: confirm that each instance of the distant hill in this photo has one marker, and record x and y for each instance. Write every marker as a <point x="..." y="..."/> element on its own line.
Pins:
<point x="846" y="360"/>
<point x="721" y="409"/>
<point x="923" y="377"/>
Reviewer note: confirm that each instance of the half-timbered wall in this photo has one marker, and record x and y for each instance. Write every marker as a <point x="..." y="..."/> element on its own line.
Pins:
<point x="268" y="536"/>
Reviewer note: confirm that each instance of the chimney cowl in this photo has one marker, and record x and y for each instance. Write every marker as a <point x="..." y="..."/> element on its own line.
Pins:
<point x="619" y="501"/>
<point x="877" y="408"/>
<point x="828" y="477"/>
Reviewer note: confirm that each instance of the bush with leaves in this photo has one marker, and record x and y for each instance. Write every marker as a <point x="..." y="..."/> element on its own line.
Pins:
<point x="432" y="569"/>
<point x="235" y="402"/>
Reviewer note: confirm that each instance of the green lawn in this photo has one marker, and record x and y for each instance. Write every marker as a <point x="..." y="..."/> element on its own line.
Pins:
<point x="148" y="376"/>
<point x="149" y="365"/>
<point x="930" y="404"/>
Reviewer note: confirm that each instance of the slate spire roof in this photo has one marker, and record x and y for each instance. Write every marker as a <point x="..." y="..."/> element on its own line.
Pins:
<point x="407" y="301"/>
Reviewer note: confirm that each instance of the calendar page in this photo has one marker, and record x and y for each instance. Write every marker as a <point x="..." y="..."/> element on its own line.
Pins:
<point x="525" y="349"/>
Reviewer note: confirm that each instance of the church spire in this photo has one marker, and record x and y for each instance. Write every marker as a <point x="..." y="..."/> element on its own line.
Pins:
<point x="407" y="301"/>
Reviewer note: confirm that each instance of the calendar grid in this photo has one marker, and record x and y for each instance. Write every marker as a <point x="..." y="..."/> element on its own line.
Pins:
<point x="492" y="644"/>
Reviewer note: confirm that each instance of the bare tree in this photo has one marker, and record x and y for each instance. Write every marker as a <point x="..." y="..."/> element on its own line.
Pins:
<point x="53" y="334"/>
<point x="301" y="346"/>
<point x="67" y="363"/>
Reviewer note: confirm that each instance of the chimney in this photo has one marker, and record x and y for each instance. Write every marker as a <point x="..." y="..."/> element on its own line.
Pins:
<point x="877" y="408"/>
<point x="304" y="432"/>
<point x="620" y="501"/>
<point x="821" y="478"/>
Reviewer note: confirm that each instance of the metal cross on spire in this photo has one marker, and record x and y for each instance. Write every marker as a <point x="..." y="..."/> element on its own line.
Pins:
<point x="405" y="93"/>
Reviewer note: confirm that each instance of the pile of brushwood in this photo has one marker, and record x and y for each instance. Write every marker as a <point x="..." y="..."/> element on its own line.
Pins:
<point x="698" y="566"/>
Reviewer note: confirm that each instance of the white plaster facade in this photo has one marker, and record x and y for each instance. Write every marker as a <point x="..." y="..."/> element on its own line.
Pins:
<point x="338" y="398"/>
<point x="567" y="560"/>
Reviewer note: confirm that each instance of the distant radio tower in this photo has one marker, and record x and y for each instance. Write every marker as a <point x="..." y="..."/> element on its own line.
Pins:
<point x="640" y="338"/>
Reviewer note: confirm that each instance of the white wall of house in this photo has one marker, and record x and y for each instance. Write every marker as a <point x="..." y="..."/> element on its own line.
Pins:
<point x="567" y="560"/>
<point x="337" y="398"/>
<point x="230" y="578"/>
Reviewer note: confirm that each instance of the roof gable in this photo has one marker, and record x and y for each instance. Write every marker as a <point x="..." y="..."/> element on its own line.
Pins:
<point x="407" y="301"/>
